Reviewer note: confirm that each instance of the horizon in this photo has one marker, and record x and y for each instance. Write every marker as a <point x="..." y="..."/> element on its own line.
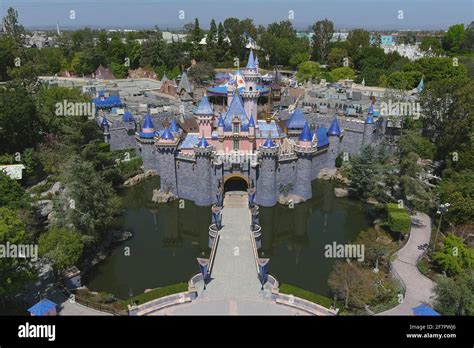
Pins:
<point x="368" y="14"/>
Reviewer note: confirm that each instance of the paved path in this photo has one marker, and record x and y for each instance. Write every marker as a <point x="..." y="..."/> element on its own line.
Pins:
<point x="419" y="288"/>
<point x="234" y="288"/>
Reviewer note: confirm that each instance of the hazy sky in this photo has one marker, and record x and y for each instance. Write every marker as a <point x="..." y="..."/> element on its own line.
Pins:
<point x="371" y="14"/>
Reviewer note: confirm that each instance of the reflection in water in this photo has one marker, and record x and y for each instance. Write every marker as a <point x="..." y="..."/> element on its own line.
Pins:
<point x="294" y="239"/>
<point x="166" y="241"/>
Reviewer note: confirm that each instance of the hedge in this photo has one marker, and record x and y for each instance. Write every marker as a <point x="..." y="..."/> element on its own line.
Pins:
<point x="154" y="294"/>
<point x="398" y="219"/>
<point x="307" y="295"/>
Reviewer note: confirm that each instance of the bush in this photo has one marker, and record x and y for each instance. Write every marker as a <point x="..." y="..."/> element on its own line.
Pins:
<point x="339" y="161"/>
<point x="398" y="219"/>
<point x="131" y="167"/>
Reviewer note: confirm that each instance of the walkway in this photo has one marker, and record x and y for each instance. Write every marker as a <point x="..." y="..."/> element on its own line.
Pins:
<point x="419" y="288"/>
<point x="234" y="288"/>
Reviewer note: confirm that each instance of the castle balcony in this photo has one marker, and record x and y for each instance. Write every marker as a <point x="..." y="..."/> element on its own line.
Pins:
<point x="305" y="149"/>
<point x="250" y="94"/>
<point x="186" y="156"/>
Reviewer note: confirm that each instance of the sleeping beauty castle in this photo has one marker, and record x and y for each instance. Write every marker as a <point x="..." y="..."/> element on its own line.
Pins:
<point x="235" y="150"/>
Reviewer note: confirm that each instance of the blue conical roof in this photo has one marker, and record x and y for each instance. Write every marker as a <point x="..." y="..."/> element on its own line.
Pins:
<point x="221" y="122"/>
<point x="369" y="119"/>
<point x="174" y="126"/>
<point x="104" y="121"/>
<point x="202" y="142"/>
<point x="269" y="143"/>
<point x="127" y="117"/>
<point x="203" y="108"/>
<point x="251" y="61"/>
<point x="371" y="109"/>
<point x="306" y="133"/>
<point x="251" y="122"/>
<point x="334" y="129"/>
<point x="167" y="135"/>
<point x="148" y="122"/>
<point x="236" y="108"/>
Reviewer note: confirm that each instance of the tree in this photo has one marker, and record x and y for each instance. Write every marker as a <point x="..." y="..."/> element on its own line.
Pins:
<point x="308" y="70"/>
<point x="343" y="73"/>
<point x="455" y="296"/>
<point x="12" y="27"/>
<point x="299" y="58"/>
<point x="7" y="57"/>
<point x="453" y="38"/>
<point x="455" y="257"/>
<point x="19" y="124"/>
<point x="413" y="141"/>
<point x="431" y="42"/>
<point x="323" y="31"/>
<point x="468" y="42"/>
<point x="352" y="283"/>
<point x="94" y="203"/>
<point x="366" y="173"/>
<point x="457" y="188"/>
<point x="61" y="247"/>
<point x="336" y="57"/>
<point x="357" y="39"/>
<point x="212" y="35"/>
<point x="12" y="194"/>
<point x="201" y="71"/>
<point x="15" y="272"/>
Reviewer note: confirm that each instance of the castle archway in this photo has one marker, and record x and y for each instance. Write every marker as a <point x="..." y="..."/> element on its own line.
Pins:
<point x="235" y="182"/>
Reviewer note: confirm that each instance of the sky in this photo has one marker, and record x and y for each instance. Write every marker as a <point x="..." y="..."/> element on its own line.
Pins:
<point x="346" y="14"/>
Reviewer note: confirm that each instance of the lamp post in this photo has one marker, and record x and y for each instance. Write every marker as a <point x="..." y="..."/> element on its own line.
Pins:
<point x="130" y="294"/>
<point x="443" y="208"/>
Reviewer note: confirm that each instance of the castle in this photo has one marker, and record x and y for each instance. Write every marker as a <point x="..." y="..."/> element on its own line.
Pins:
<point x="236" y="150"/>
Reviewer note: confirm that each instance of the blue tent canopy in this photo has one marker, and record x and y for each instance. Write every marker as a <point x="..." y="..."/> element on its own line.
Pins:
<point x="42" y="307"/>
<point x="424" y="310"/>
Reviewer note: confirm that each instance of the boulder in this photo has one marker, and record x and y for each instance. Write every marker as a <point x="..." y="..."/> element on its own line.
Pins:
<point x="327" y="174"/>
<point x="162" y="197"/>
<point x="291" y="198"/>
<point x="341" y="192"/>
<point x="54" y="190"/>
<point x="45" y="207"/>
<point x="121" y="236"/>
<point x="140" y="177"/>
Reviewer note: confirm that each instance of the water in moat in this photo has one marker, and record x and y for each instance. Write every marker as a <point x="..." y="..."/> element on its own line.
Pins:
<point x="167" y="239"/>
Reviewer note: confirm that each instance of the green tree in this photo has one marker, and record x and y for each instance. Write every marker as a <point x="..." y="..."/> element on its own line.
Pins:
<point x="308" y="70"/>
<point x="366" y="173"/>
<point x="212" y="35"/>
<point x="453" y="38"/>
<point x="455" y="257"/>
<point x="12" y="194"/>
<point x="201" y="71"/>
<point x="15" y="272"/>
<point x="455" y="296"/>
<point x="12" y="27"/>
<point x="457" y="188"/>
<point x="336" y="57"/>
<point x="299" y="58"/>
<point x="357" y="39"/>
<point x="63" y="248"/>
<point x="323" y="31"/>
<point x="343" y="73"/>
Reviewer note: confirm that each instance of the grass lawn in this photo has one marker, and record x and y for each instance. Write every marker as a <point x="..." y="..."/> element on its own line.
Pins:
<point x="307" y="295"/>
<point x="154" y="294"/>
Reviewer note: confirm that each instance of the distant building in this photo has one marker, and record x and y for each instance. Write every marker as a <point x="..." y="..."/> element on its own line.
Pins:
<point x="172" y="37"/>
<point x="142" y="73"/>
<point x="104" y="74"/>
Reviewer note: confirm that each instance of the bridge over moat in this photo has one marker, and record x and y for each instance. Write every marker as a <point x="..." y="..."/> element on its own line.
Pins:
<point x="233" y="285"/>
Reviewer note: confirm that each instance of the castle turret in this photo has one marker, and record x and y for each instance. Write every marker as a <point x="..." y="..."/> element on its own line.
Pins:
<point x="202" y="172"/>
<point x="166" y="148"/>
<point x="266" y="177"/>
<point x="146" y="140"/>
<point x="334" y="135"/>
<point x="250" y="95"/>
<point x="369" y="127"/>
<point x="106" y="129"/>
<point x="305" y="150"/>
<point x="251" y="127"/>
<point x="204" y="117"/>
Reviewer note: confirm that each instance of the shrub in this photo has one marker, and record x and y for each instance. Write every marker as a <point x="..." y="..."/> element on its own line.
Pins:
<point x="339" y="161"/>
<point x="398" y="219"/>
<point x="307" y="295"/>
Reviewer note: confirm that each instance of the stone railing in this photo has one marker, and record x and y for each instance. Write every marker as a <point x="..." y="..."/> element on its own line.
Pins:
<point x="302" y="304"/>
<point x="160" y="303"/>
<point x="186" y="156"/>
<point x="213" y="252"/>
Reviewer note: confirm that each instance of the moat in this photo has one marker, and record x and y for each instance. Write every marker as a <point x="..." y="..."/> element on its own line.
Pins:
<point x="168" y="238"/>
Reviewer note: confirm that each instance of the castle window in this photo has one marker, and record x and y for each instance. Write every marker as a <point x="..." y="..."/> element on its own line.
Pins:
<point x="236" y="145"/>
<point x="236" y="128"/>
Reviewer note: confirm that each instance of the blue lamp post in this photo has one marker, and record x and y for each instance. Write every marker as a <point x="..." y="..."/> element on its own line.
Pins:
<point x="204" y="269"/>
<point x="263" y="268"/>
